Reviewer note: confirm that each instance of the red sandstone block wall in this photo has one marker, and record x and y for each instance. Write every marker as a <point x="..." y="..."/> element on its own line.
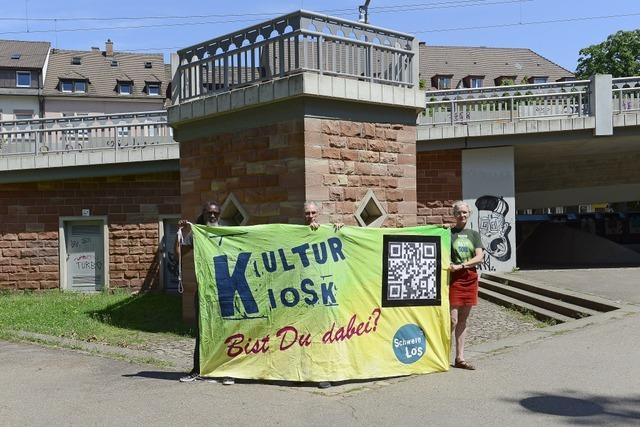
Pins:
<point x="263" y="167"/>
<point x="345" y="159"/>
<point x="29" y="223"/>
<point x="439" y="182"/>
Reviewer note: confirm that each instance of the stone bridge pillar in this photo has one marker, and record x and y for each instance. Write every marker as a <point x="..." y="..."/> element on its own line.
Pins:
<point x="264" y="149"/>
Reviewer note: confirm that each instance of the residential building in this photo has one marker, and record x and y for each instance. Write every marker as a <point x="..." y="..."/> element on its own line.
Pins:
<point x="456" y="67"/>
<point x="23" y="65"/>
<point x="104" y="82"/>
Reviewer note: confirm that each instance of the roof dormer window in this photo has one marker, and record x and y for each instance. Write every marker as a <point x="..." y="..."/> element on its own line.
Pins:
<point x="125" y="88"/>
<point x="80" y="86"/>
<point x="114" y="63"/>
<point x="148" y="64"/>
<point x="153" y="88"/>
<point x="73" y="86"/>
<point x="538" y="79"/>
<point x="76" y="60"/>
<point x="474" y="81"/>
<point x="442" y="81"/>
<point x="15" y="56"/>
<point x="66" y="86"/>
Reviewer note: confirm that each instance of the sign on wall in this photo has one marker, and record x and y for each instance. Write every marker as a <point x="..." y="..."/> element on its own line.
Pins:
<point x="488" y="186"/>
<point x="283" y="302"/>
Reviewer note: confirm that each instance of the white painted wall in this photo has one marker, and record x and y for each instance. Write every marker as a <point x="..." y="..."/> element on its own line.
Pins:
<point x="490" y="172"/>
<point x="10" y="103"/>
<point x="56" y="107"/>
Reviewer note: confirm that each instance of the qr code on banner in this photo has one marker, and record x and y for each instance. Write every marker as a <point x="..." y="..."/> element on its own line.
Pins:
<point x="411" y="271"/>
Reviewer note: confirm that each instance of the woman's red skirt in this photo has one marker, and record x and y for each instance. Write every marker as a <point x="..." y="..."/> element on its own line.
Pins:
<point x="463" y="289"/>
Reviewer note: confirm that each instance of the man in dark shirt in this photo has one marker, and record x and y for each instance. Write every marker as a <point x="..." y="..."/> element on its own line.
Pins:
<point x="209" y="216"/>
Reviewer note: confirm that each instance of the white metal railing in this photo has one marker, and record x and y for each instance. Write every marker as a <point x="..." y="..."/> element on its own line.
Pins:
<point x="299" y="41"/>
<point x="626" y="94"/>
<point x="85" y="133"/>
<point x="507" y="103"/>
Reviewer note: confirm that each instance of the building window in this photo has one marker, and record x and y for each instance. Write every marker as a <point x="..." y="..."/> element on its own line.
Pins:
<point x="537" y="80"/>
<point x="475" y="82"/>
<point x="124" y="88"/>
<point x="66" y="86"/>
<point x="23" y="114"/>
<point x="444" y="82"/>
<point x="23" y="78"/>
<point x="79" y="86"/>
<point x="153" y="89"/>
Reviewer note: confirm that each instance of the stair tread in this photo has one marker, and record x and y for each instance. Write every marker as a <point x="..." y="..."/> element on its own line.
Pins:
<point x="512" y="301"/>
<point x="538" y="297"/>
<point x="592" y="302"/>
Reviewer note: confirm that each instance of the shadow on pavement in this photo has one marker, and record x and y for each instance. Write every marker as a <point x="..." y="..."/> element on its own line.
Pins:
<point x="175" y="376"/>
<point x="158" y="375"/>
<point x="573" y="405"/>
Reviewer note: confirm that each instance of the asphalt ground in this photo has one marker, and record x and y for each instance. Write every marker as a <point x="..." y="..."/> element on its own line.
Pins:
<point x="579" y="373"/>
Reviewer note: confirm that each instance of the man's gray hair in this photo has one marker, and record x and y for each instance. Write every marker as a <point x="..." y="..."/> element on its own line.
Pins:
<point x="458" y="204"/>
<point x="309" y="203"/>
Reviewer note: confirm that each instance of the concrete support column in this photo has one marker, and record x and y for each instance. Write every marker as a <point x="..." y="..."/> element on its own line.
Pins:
<point x="601" y="103"/>
<point x="488" y="187"/>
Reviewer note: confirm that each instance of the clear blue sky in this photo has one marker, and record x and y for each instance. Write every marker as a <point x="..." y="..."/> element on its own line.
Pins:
<point x="432" y="21"/>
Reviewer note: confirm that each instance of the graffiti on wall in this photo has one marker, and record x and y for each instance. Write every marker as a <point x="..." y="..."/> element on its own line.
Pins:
<point x="494" y="230"/>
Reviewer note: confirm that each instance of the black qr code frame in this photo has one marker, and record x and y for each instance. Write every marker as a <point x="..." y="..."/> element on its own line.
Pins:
<point x="391" y="238"/>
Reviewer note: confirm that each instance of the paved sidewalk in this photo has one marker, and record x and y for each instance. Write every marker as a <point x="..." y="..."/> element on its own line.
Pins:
<point x="581" y="372"/>
<point x="616" y="284"/>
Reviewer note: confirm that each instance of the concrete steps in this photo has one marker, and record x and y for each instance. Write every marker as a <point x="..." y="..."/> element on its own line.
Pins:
<point x="544" y="302"/>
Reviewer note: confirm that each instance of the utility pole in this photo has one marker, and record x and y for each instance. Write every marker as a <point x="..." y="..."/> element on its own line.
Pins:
<point x="364" y="12"/>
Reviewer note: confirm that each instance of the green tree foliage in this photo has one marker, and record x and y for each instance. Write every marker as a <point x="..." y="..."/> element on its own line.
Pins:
<point x="618" y="55"/>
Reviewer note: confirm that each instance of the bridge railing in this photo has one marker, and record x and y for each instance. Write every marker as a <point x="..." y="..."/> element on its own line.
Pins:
<point x="299" y="41"/>
<point x="85" y="133"/>
<point x="626" y="94"/>
<point x="507" y="103"/>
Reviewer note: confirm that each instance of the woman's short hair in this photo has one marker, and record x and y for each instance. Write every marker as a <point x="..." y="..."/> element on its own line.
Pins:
<point x="458" y="204"/>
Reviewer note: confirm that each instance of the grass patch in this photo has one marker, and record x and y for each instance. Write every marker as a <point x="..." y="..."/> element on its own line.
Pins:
<point x="529" y="316"/>
<point x="118" y="318"/>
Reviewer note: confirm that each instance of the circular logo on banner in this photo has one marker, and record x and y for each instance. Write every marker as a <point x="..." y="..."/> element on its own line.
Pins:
<point x="409" y="344"/>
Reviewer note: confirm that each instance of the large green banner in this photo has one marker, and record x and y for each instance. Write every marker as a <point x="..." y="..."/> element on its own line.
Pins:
<point x="284" y="302"/>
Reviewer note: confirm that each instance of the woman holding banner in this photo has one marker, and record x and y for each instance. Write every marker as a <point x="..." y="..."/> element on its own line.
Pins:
<point x="466" y="253"/>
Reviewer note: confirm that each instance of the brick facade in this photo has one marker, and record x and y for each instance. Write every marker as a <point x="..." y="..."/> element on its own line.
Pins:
<point x="263" y="167"/>
<point x="29" y="223"/>
<point x="345" y="159"/>
<point x="439" y="182"/>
